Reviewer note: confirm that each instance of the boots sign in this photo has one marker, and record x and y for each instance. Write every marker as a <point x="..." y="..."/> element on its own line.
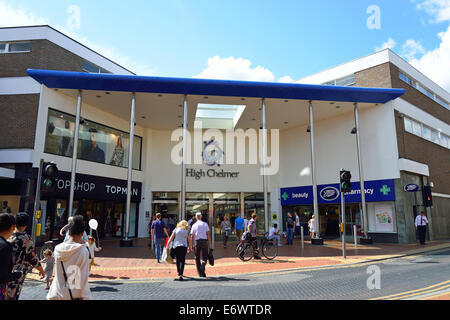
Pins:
<point x="94" y="187"/>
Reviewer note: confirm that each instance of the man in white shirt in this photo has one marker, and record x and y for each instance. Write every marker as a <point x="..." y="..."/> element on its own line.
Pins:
<point x="275" y="234"/>
<point x="297" y="229"/>
<point x="421" y="226"/>
<point x="200" y="233"/>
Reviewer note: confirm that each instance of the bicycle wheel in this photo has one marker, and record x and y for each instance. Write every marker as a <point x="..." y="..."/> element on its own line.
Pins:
<point x="43" y="248"/>
<point x="246" y="254"/>
<point x="239" y="247"/>
<point x="270" y="249"/>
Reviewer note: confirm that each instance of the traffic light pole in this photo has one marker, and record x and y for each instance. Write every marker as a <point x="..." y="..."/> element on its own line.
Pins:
<point x="344" y="254"/>
<point x="37" y="200"/>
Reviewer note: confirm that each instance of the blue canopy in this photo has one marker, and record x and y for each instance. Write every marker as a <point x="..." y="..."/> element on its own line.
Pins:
<point x="206" y="87"/>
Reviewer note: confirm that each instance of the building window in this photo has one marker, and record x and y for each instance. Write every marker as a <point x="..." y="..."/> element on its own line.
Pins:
<point x="417" y="128"/>
<point x="97" y="142"/>
<point x="426" y="133"/>
<point x="408" y="125"/>
<point x="342" y="82"/>
<point x="435" y="136"/>
<point x="423" y="89"/>
<point x="93" y="68"/>
<point x="15" y="47"/>
<point x="444" y="141"/>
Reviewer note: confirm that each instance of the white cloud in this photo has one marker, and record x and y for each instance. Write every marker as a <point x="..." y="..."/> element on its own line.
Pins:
<point x="389" y="44"/>
<point x="235" y="69"/>
<point x="411" y="49"/>
<point x="12" y="17"/>
<point x="439" y="9"/>
<point x="435" y="64"/>
<point x="286" y="79"/>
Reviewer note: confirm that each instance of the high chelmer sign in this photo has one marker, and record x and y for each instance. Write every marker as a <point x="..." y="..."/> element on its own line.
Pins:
<point x="375" y="191"/>
<point x="210" y="173"/>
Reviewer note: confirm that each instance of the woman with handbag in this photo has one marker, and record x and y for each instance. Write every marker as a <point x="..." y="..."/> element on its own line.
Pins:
<point x="226" y="230"/>
<point x="179" y="238"/>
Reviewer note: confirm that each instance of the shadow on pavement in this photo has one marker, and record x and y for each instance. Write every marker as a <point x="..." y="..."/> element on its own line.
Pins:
<point x="213" y="279"/>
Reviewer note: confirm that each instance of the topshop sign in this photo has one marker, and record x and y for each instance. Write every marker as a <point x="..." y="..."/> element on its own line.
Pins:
<point x="97" y="188"/>
<point x="375" y="191"/>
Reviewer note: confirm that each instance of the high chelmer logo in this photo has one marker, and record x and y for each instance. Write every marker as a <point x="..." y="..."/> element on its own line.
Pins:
<point x="212" y="153"/>
<point x="329" y="193"/>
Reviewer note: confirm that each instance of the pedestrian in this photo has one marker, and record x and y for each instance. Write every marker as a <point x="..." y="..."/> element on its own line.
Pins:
<point x="253" y="240"/>
<point x="7" y="227"/>
<point x="159" y="233"/>
<point x="274" y="233"/>
<point x="171" y="224"/>
<point x="49" y="266"/>
<point x="191" y="221"/>
<point x="200" y="234"/>
<point x="289" y="230"/>
<point x="92" y="249"/>
<point x="226" y="230"/>
<point x="24" y="256"/>
<point x="421" y="226"/>
<point x="72" y="266"/>
<point x="246" y="222"/>
<point x="179" y="238"/>
<point x="297" y="224"/>
<point x="64" y="231"/>
<point x="239" y="227"/>
<point x="312" y="227"/>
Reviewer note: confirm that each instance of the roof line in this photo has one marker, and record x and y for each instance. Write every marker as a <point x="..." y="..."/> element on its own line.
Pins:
<point x="76" y="41"/>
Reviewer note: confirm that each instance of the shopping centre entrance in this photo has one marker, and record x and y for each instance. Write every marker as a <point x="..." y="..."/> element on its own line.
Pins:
<point x="213" y="206"/>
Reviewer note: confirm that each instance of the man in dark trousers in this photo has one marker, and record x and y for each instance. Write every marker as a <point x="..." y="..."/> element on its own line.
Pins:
<point x="421" y="226"/>
<point x="200" y="234"/>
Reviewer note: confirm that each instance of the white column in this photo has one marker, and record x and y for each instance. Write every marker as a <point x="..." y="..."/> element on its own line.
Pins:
<point x="74" y="155"/>
<point x="313" y="173"/>
<point x="183" y="165"/>
<point x="130" y="163"/>
<point x="264" y="146"/>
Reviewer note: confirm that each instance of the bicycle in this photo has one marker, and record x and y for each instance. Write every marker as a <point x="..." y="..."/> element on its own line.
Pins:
<point x="268" y="247"/>
<point x="51" y="244"/>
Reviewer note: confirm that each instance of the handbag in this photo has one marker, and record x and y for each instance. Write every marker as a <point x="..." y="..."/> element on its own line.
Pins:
<point x="211" y="257"/>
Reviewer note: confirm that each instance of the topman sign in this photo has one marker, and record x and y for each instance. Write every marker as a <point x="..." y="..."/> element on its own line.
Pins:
<point x="94" y="187"/>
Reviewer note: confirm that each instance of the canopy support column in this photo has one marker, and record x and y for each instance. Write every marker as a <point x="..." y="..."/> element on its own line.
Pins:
<point x="317" y="240"/>
<point x="74" y="154"/>
<point x="183" y="165"/>
<point x="366" y="239"/>
<point x="264" y="147"/>
<point x="126" y="242"/>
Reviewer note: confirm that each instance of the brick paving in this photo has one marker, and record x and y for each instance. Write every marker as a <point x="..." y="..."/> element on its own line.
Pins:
<point x="138" y="262"/>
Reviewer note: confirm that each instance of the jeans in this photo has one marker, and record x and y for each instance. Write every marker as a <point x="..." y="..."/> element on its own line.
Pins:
<point x="276" y="237"/>
<point x="180" y="256"/>
<point x="159" y="246"/>
<point x="290" y="236"/>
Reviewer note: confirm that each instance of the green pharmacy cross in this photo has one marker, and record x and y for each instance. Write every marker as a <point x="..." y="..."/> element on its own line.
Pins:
<point x="285" y="196"/>
<point x="385" y="190"/>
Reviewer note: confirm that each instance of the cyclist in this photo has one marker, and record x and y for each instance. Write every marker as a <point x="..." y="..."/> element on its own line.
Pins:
<point x="252" y="230"/>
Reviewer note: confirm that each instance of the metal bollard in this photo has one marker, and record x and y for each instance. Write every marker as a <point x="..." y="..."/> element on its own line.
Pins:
<point x="303" y="237"/>
<point x="355" y="235"/>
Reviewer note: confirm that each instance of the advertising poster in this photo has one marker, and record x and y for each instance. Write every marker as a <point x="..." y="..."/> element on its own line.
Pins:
<point x="384" y="218"/>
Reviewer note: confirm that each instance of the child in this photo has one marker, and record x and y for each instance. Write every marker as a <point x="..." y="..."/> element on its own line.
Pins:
<point x="49" y="264"/>
<point x="92" y="248"/>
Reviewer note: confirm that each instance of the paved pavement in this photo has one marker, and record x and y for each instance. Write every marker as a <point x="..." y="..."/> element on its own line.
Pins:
<point x="420" y="276"/>
<point x="115" y="263"/>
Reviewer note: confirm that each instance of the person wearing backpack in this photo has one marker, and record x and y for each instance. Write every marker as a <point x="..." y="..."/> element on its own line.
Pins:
<point x="72" y="266"/>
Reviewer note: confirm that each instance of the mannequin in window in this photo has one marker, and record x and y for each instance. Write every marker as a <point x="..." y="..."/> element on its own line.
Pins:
<point x="93" y="152"/>
<point x="65" y="143"/>
<point x="117" y="156"/>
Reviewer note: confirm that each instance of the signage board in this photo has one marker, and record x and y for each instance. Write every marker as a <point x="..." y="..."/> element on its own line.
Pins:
<point x="411" y="188"/>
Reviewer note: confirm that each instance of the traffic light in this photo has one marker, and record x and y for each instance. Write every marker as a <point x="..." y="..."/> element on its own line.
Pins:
<point x="427" y="197"/>
<point x="48" y="181"/>
<point x="346" y="185"/>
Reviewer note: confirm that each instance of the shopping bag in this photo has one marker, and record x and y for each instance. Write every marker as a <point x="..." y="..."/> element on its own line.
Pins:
<point x="169" y="258"/>
<point x="211" y="257"/>
<point x="164" y="256"/>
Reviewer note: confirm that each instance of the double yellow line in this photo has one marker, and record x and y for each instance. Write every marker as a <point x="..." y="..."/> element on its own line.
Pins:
<point x="414" y="293"/>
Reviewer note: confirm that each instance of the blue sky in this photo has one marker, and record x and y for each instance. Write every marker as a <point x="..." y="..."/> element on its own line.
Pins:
<point x="285" y="38"/>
